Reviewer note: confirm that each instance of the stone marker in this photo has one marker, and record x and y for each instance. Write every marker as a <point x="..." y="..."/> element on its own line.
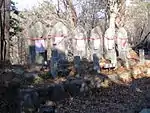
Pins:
<point x="142" y="56"/>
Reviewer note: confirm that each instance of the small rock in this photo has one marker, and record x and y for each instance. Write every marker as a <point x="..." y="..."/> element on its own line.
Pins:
<point x="125" y="77"/>
<point x="105" y="83"/>
<point x="15" y="81"/>
<point x="29" y="98"/>
<point x="114" y="78"/>
<point x="84" y="87"/>
<point x="57" y="93"/>
<point x="37" y="80"/>
<point x="30" y="75"/>
<point x="148" y="71"/>
<point x="18" y="70"/>
<point x="145" y="111"/>
<point x="74" y="87"/>
<point x="50" y="103"/>
<point x="47" y="109"/>
<point x="136" y="72"/>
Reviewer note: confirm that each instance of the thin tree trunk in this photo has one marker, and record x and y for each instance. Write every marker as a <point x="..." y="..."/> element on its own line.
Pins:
<point x="4" y="29"/>
<point x="7" y="27"/>
<point x="148" y="17"/>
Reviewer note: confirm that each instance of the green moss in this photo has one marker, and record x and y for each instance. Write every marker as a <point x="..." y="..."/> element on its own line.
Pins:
<point x="46" y="75"/>
<point x="37" y="80"/>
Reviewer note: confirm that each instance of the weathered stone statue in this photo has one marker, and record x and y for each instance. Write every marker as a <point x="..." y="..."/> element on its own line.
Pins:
<point x="59" y="49"/>
<point x="96" y="45"/>
<point x="36" y="32"/>
<point x="110" y="35"/>
<point x="122" y="42"/>
<point x="80" y="42"/>
<point x="58" y="35"/>
<point x="80" y="47"/>
<point x="109" y="44"/>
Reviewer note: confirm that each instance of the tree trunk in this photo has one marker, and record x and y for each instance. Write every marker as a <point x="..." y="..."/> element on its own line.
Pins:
<point x="7" y="27"/>
<point x="148" y="18"/>
<point x="4" y="29"/>
<point x="1" y="29"/>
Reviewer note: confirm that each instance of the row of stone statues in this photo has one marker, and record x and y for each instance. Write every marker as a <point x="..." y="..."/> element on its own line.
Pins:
<point x="81" y="46"/>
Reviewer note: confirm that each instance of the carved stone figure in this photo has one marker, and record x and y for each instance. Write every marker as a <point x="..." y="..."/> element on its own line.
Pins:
<point x="122" y="42"/>
<point x="80" y="42"/>
<point x="96" y="45"/>
<point x="109" y="44"/>
<point x="59" y="47"/>
<point x="80" y="47"/>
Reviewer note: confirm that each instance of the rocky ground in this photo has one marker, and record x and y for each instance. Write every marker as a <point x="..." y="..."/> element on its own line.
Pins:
<point x="113" y="99"/>
<point x="34" y="91"/>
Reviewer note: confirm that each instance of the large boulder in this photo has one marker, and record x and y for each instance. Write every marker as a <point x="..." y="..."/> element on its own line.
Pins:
<point x="57" y="93"/>
<point x="29" y="99"/>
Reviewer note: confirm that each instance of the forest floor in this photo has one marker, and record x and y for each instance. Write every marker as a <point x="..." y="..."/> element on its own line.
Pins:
<point x="114" y="91"/>
<point x="113" y="99"/>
